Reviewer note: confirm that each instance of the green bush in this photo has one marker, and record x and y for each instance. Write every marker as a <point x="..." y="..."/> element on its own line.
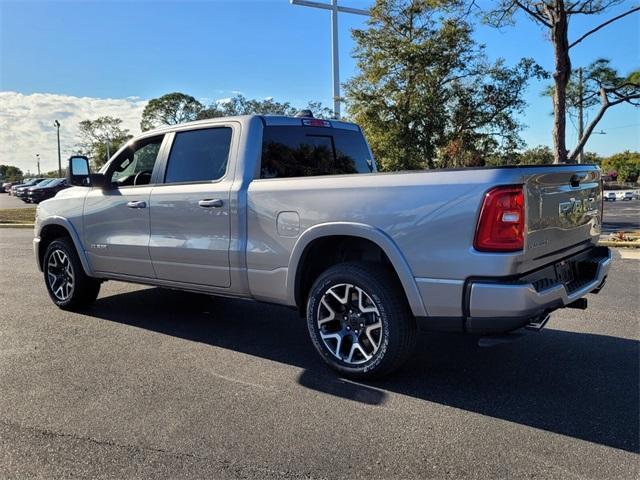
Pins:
<point x="625" y="164"/>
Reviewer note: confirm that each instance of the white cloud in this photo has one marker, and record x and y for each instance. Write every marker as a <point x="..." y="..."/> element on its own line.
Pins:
<point x="26" y="125"/>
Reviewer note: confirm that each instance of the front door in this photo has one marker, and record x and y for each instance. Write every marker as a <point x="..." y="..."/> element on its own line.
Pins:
<point x="116" y="218"/>
<point x="190" y="225"/>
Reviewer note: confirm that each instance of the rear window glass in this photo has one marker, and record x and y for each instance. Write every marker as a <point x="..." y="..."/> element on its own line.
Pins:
<point x="309" y="151"/>
<point x="199" y="155"/>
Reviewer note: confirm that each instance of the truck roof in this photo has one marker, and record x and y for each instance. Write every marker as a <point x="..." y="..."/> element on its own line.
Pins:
<point x="267" y="120"/>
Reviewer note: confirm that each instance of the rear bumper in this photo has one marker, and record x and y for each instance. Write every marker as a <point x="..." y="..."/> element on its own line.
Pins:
<point x="499" y="306"/>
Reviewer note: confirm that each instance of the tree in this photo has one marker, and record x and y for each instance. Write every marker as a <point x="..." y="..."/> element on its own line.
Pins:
<point x="584" y="92"/>
<point x="426" y="94"/>
<point x="481" y="118"/>
<point x="9" y="173"/>
<point x="554" y="15"/>
<point x="170" y="109"/>
<point x="610" y="90"/>
<point x="625" y="164"/>
<point x="240" y="105"/>
<point x="101" y="136"/>
<point x="592" y="157"/>
<point x="540" y="155"/>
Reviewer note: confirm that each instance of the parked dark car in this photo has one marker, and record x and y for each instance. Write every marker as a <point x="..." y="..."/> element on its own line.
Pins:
<point x="45" y="190"/>
<point x="20" y="191"/>
<point x="25" y="194"/>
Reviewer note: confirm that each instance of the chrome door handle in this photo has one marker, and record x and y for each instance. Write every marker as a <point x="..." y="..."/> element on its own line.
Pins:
<point x="210" y="202"/>
<point x="137" y="204"/>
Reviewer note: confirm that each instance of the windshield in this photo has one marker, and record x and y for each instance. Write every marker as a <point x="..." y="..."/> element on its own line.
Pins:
<point x="45" y="182"/>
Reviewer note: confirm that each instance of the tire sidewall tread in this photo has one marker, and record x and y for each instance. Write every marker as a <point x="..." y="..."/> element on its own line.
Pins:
<point x="399" y="326"/>
<point x="85" y="289"/>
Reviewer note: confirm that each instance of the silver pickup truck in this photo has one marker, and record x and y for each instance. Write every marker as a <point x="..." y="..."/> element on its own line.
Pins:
<point x="291" y="210"/>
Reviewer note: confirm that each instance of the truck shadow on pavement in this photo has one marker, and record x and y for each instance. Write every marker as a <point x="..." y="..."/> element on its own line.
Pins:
<point x="577" y="384"/>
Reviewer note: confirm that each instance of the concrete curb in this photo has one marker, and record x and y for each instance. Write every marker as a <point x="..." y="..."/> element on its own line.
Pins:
<point x="608" y="243"/>
<point x="16" y="225"/>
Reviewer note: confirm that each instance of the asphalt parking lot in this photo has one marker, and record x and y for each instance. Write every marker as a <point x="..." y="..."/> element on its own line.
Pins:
<point x="621" y="215"/>
<point x="151" y="383"/>
<point x="8" y="201"/>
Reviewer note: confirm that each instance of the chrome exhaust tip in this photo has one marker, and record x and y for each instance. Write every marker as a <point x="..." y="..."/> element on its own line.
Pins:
<point x="537" y="323"/>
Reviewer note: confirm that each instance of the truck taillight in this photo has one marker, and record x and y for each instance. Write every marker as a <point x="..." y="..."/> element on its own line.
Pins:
<point x="315" y="122"/>
<point x="501" y="223"/>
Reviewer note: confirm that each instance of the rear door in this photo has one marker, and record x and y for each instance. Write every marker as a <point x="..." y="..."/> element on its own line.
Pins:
<point x="563" y="208"/>
<point x="190" y="225"/>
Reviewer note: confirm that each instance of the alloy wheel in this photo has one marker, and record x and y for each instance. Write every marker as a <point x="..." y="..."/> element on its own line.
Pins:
<point x="60" y="275"/>
<point x="349" y="324"/>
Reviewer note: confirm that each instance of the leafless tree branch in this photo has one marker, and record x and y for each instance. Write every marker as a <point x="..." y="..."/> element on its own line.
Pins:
<point x="602" y="25"/>
<point x="605" y="104"/>
<point x="535" y="14"/>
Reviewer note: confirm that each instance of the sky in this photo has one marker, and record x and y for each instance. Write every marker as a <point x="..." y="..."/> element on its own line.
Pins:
<point x="76" y="60"/>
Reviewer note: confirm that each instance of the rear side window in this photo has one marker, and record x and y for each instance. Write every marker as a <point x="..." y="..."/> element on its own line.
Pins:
<point x="199" y="155"/>
<point x="309" y="151"/>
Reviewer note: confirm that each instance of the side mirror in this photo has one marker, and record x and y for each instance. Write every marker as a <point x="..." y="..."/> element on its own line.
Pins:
<point x="78" y="173"/>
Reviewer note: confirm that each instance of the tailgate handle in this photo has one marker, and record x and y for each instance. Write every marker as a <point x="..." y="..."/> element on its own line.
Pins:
<point x="576" y="178"/>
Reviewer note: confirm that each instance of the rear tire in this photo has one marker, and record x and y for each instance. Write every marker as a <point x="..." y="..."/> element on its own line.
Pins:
<point x="67" y="284"/>
<point x="359" y="320"/>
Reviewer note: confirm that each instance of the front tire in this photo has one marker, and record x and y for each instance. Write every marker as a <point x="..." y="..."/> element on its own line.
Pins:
<point x="359" y="320"/>
<point x="67" y="284"/>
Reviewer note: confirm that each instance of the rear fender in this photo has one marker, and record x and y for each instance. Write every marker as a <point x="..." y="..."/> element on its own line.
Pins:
<point x="367" y="232"/>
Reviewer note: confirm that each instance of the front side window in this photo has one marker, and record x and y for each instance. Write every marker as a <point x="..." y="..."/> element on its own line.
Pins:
<point x="134" y="165"/>
<point x="309" y="151"/>
<point x="199" y="155"/>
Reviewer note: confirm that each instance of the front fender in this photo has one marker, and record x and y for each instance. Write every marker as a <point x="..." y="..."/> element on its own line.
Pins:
<point x="364" y="231"/>
<point x="73" y="234"/>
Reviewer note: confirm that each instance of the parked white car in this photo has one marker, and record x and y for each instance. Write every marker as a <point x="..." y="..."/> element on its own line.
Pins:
<point x="610" y="196"/>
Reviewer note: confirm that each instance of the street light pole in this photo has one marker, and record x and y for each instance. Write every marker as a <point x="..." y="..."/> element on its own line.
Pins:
<point x="56" y="124"/>
<point x="334" y="41"/>
<point x="580" y="114"/>
<point x="335" y="60"/>
<point x="38" y="162"/>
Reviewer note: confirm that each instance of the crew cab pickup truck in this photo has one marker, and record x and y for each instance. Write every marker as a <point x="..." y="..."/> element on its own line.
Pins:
<point x="292" y="211"/>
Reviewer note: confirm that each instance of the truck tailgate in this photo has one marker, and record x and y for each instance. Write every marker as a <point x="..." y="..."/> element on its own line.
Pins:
<point x="563" y="209"/>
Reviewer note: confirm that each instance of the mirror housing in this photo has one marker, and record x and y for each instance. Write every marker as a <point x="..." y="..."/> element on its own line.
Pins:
<point x="79" y="174"/>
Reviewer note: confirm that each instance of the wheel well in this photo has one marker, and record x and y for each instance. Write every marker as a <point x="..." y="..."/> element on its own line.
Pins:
<point x="48" y="234"/>
<point x="325" y="252"/>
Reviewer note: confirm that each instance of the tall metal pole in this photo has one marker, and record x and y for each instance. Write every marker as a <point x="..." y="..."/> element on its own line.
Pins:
<point x="38" y="162"/>
<point x="57" y="125"/>
<point x="335" y="59"/>
<point x="335" y="9"/>
<point x="580" y="114"/>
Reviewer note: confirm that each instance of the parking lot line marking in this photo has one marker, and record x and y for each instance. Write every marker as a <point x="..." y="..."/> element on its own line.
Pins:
<point x="628" y="253"/>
